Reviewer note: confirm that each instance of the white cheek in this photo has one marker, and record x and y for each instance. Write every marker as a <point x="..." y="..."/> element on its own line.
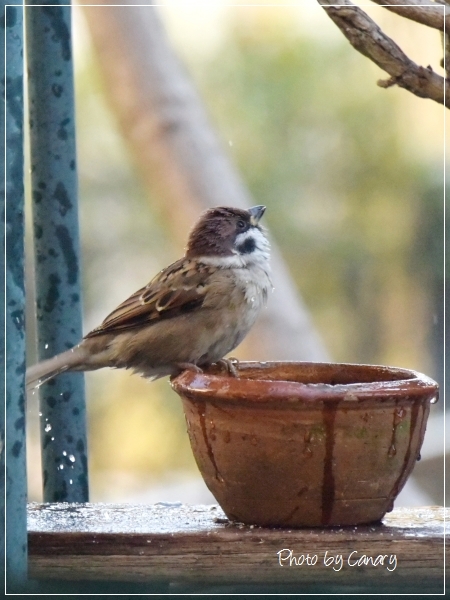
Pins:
<point x="262" y="248"/>
<point x="250" y="233"/>
<point x="258" y="258"/>
<point x="260" y="239"/>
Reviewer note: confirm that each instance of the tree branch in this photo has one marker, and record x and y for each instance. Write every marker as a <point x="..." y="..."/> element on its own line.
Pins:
<point x="419" y="11"/>
<point x="366" y="37"/>
<point x="445" y="62"/>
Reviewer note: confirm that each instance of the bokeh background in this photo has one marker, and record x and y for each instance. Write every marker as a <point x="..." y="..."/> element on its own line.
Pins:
<point x="353" y="178"/>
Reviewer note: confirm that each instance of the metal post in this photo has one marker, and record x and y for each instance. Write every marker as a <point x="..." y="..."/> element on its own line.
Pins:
<point x="56" y="244"/>
<point x="15" y="449"/>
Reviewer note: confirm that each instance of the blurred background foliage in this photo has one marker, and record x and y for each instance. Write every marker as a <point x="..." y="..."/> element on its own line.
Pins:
<point x="352" y="176"/>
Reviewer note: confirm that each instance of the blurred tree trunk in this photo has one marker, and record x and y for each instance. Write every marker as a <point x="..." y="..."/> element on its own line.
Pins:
<point x="181" y="158"/>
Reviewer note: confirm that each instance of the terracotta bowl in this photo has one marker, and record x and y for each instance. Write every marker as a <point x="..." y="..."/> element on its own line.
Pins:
<point x="306" y="444"/>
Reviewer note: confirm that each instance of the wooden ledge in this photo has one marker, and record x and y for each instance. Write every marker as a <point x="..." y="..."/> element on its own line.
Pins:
<point x="182" y="544"/>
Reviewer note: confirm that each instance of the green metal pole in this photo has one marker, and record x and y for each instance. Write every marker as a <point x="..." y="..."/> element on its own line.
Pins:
<point x="56" y="244"/>
<point x="14" y="328"/>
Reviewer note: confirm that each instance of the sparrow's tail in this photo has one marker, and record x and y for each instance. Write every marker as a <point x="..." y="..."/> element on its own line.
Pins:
<point x="71" y="360"/>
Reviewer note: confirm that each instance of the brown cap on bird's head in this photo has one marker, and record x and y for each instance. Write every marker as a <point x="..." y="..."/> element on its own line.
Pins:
<point x="216" y="231"/>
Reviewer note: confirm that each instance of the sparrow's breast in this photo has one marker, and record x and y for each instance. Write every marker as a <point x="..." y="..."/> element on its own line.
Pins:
<point x="241" y="294"/>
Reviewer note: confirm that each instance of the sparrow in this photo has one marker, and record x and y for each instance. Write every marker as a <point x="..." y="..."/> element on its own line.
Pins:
<point x="193" y="313"/>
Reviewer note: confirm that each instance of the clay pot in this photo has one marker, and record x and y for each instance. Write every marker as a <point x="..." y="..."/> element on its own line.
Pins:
<point x="306" y="444"/>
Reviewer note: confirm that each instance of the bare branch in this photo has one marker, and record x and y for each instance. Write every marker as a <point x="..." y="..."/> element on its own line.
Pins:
<point x="419" y="11"/>
<point x="445" y="39"/>
<point x="445" y="62"/>
<point x="366" y="37"/>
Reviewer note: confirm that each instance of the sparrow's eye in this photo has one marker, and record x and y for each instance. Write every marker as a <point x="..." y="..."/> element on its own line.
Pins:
<point x="241" y="224"/>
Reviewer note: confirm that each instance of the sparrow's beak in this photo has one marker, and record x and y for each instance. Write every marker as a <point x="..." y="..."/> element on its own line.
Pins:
<point x="256" y="212"/>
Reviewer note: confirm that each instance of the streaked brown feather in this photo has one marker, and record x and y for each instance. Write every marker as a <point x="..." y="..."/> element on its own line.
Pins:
<point x="177" y="289"/>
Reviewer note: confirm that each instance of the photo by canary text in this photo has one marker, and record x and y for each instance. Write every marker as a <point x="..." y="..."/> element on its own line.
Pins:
<point x="288" y="558"/>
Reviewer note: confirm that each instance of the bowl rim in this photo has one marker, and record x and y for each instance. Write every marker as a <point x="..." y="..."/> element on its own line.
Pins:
<point x="410" y="385"/>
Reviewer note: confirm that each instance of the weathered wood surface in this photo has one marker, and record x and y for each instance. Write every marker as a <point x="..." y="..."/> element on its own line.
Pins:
<point x="182" y="544"/>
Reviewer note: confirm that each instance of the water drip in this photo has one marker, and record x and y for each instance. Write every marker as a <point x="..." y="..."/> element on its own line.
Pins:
<point x="201" y="414"/>
<point x="328" y="491"/>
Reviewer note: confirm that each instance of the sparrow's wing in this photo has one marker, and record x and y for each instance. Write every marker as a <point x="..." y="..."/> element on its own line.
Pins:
<point x="178" y="289"/>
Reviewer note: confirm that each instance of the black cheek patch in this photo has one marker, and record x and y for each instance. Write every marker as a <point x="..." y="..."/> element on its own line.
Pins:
<point x="247" y="247"/>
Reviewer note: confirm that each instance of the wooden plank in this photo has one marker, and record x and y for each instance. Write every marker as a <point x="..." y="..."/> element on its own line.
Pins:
<point x="183" y="544"/>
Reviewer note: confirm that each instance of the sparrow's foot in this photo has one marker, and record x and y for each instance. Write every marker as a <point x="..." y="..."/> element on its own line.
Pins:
<point x="229" y="365"/>
<point x="185" y="366"/>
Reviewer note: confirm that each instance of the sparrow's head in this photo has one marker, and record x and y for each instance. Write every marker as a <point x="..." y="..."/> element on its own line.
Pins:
<point x="228" y="232"/>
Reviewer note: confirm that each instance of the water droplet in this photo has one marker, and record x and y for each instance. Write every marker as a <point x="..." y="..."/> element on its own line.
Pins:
<point x="61" y="467"/>
<point x="392" y="450"/>
<point x="64" y="453"/>
<point x="308" y="438"/>
<point x="46" y="346"/>
<point x="48" y="428"/>
<point x="40" y="414"/>
<point x="72" y="458"/>
<point x="399" y="413"/>
<point x="70" y="481"/>
<point x="52" y="439"/>
<point x="434" y="400"/>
